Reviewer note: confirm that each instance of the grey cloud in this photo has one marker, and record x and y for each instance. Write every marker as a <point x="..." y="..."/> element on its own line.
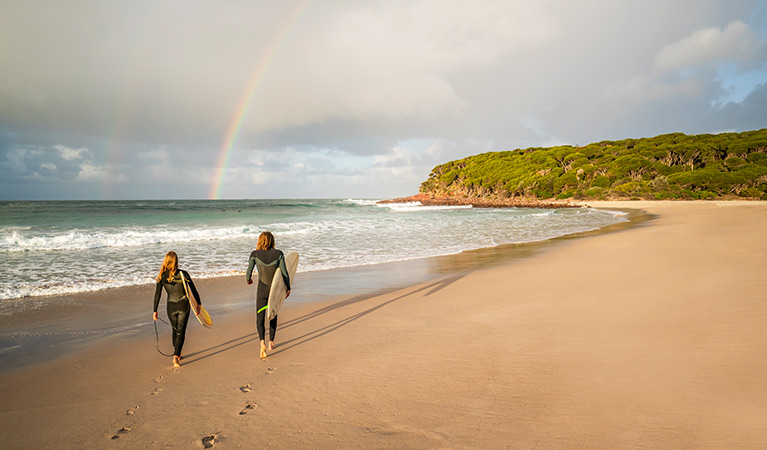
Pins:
<point x="750" y="114"/>
<point x="358" y="78"/>
<point x="735" y="42"/>
<point x="40" y="163"/>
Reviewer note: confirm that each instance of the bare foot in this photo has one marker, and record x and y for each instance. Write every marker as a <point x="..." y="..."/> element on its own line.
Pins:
<point x="176" y="362"/>
<point x="271" y="345"/>
<point x="263" y="351"/>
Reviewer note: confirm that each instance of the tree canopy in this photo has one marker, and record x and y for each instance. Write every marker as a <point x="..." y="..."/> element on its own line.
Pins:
<point x="670" y="166"/>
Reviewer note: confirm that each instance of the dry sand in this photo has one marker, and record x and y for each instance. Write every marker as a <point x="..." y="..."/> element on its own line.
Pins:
<point x="651" y="337"/>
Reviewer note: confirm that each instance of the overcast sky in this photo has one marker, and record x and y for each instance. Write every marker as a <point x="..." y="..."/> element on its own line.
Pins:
<point x="350" y="99"/>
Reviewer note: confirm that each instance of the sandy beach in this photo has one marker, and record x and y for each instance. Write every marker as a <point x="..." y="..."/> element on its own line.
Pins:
<point x="649" y="337"/>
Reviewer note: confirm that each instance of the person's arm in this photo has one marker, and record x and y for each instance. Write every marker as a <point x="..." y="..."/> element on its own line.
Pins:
<point x="157" y="293"/>
<point x="249" y="272"/>
<point x="193" y="288"/>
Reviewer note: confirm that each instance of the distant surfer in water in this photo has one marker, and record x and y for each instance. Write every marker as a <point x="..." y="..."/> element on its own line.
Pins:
<point x="178" y="304"/>
<point x="267" y="260"/>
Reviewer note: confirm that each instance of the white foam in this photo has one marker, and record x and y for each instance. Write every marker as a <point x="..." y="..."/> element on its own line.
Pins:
<point x="23" y="290"/>
<point x="102" y="258"/>
<point x="418" y="206"/>
<point x="85" y="240"/>
<point x="361" y="202"/>
<point x="541" y="214"/>
<point x="612" y="212"/>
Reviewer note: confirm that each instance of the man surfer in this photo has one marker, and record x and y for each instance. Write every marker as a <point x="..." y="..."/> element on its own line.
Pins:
<point x="266" y="259"/>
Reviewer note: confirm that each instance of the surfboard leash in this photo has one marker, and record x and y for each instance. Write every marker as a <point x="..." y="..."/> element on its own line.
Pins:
<point x="157" y="336"/>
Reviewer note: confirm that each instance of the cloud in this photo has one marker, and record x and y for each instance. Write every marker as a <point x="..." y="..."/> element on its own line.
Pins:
<point x="735" y="42"/>
<point x="748" y="114"/>
<point x="352" y="94"/>
<point x="70" y="153"/>
<point x="90" y="173"/>
<point x="385" y="63"/>
<point x="39" y="163"/>
<point x="650" y="89"/>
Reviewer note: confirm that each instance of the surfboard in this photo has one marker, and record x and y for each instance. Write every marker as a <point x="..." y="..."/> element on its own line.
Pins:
<point x="278" y="292"/>
<point x="203" y="317"/>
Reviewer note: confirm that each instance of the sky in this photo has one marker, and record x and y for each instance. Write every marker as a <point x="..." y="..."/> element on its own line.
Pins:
<point x="257" y="99"/>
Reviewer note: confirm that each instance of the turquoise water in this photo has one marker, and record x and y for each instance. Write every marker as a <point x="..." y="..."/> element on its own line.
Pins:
<point x="52" y="248"/>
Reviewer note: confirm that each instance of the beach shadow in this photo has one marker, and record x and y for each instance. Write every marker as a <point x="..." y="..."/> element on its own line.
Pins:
<point x="329" y="308"/>
<point x="442" y="284"/>
<point x="436" y="286"/>
<point x="223" y="347"/>
<point x="287" y="345"/>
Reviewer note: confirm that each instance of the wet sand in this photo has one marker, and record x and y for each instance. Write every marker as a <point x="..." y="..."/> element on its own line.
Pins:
<point x="651" y="337"/>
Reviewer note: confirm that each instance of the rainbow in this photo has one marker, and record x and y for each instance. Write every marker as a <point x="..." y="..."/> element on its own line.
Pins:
<point x="243" y="105"/>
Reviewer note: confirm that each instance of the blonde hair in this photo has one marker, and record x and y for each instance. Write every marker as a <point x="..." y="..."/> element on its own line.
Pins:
<point x="265" y="241"/>
<point x="170" y="265"/>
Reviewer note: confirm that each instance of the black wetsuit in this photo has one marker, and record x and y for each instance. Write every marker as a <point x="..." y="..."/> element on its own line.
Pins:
<point x="266" y="262"/>
<point x="178" y="305"/>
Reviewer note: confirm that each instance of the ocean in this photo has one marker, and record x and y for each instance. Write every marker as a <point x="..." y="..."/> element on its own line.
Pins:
<point x="49" y="248"/>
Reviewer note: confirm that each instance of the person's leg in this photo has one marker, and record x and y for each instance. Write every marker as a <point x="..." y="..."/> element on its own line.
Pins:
<point x="173" y="321"/>
<point x="178" y="314"/>
<point x="261" y="307"/>
<point x="183" y="319"/>
<point x="272" y="332"/>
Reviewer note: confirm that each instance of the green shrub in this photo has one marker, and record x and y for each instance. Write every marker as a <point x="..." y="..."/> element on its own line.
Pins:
<point x="705" y="195"/>
<point x="601" y="181"/>
<point x="751" y="192"/>
<point x="668" y="166"/>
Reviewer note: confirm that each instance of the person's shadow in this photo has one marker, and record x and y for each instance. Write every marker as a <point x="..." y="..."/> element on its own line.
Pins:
<point x="315" y="334"/>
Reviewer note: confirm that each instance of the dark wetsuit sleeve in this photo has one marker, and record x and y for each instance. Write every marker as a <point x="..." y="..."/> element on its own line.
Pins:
<point x="157" y="293"/>
<point x="251" y="265"/>
<point x="193" y="287"/>
<point x="285" y="275"/>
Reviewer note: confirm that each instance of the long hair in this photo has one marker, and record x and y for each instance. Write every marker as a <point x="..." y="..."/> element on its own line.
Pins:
<point x="265" y="241"/>
<point x="170" y="265"/>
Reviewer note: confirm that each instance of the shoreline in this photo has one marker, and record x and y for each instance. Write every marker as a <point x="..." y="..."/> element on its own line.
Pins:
<point x="71" y="323"/>
<point x="650" y="337"/>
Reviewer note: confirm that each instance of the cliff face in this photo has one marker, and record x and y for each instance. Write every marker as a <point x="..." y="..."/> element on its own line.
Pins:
<point x="672" y="166"/>
<point x="427" y="199"/>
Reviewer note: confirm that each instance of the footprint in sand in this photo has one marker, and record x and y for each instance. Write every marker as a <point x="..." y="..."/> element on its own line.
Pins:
<point x="248" y="408"/>
<point x="121" y="432"/>
<point x="131" y="411"/>
<point x="208" y="441"/>
<point x="245" y="388"/>
<point x="270" y="370"/>
<point x="156" y="391"/>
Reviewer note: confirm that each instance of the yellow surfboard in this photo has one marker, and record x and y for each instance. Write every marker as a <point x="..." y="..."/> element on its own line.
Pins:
<point x="203" y="317"/>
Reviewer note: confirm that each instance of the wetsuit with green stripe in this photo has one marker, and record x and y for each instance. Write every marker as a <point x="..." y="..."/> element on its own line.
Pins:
<point x="178" y="305"/>
<point x="266" y="262"/>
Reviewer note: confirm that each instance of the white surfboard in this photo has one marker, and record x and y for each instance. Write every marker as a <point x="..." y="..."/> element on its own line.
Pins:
<point x="278" y="292"/>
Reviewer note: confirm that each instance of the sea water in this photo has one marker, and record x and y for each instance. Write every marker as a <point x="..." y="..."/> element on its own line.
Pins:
<point x="62" y="247"/>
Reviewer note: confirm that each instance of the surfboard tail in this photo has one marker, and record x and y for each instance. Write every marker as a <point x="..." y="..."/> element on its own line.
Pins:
<point x="203" y="317"/>
<point x="278" y="291"/>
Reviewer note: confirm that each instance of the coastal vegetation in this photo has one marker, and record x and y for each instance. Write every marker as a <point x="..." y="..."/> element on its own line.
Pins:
<point x="670" y="166"/>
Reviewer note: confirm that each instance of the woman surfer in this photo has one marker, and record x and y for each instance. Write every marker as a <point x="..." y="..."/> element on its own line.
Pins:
<point x="266" y="259"/>
<point x="178" y="303"/>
